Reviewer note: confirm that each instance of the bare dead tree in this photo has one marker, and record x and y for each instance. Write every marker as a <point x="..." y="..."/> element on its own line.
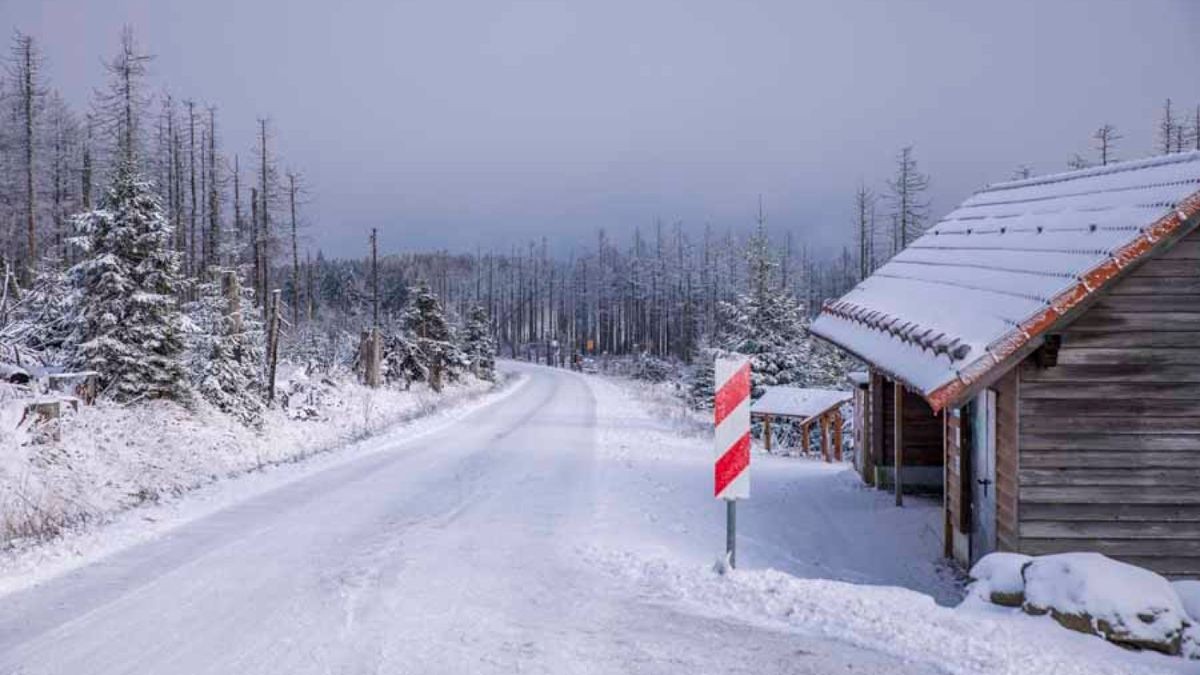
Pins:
<point x="907" y="195"/>
<point x="192" y="212"/>
<point x="214" y="192"/>
<point x="121" y="106"/>
<point x="25" y="70"/>
<point x="1106" y="138"/>
<point x="1166" y="129"/>
<point x="864" y="224"/>
<point x="295" y="189"/>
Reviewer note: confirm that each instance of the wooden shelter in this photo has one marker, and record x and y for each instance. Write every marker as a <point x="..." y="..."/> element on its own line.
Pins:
<point x="804" y="408"/>
<point x="1051" y="328"/>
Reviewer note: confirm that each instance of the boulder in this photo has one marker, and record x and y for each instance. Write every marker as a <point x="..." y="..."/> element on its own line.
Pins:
<point x="1091" y="593"/>
<point x="997" y="578"/>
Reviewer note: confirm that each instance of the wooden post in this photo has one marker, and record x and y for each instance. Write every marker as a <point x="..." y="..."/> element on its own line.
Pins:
<point x="825" y="436"/>
<point x="947" y="527"/>
<point x="837" y="435"/>
<point x="374" y="277"/>
<point x="233" y="301"/>
<point x="874" y="454"/>
<point x="273" y="345"/>
<point x="804" y="438"/>
<point x="370" y="353"/>
<point x="898" y="438"/>
<point x="767" y="432"/>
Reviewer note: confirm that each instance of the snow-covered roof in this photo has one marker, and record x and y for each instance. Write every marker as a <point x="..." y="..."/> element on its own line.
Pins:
<point x="798" y="401"/>
<point x="1006" y="266"/>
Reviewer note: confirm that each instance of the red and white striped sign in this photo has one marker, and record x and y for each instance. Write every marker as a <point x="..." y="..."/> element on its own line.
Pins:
<point x="731" y="413"/>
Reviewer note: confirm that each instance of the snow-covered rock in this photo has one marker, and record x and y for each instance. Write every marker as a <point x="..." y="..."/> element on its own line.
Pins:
<point x="1191" y="642"/>
<point x="997" y="578"/>
<point x="1189" y="594"/>
<point x="1091" y="593"/>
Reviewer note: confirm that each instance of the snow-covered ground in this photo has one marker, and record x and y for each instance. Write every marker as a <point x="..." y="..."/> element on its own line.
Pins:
<point x="74" y="497"/>
<point x="562" y="526"/>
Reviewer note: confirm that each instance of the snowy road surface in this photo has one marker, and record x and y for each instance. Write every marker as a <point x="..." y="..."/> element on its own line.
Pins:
<point x="512" y="541"/>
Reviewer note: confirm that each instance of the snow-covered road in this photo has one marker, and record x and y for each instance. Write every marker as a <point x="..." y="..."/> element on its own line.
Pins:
<point x="461" y="551"/>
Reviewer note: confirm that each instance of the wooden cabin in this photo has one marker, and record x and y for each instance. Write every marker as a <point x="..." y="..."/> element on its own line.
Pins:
<point x="1051" y="326"/>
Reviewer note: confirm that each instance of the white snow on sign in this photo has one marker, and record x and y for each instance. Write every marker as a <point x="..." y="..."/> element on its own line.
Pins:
<point x="798" y="401"/>
<point x="971" y="287"/>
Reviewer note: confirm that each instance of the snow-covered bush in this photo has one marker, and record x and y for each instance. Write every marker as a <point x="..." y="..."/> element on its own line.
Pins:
<point x="1091" y="593"/>
<point x="42" y="320"/>
<point x="651" y="369"/>
<point x="129" y="326"/>
<point x="701" y="381"/>
<point x="225" y="349"/>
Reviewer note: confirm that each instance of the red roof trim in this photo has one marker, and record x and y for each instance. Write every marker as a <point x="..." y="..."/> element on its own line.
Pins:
<point x="1091" y="282"/>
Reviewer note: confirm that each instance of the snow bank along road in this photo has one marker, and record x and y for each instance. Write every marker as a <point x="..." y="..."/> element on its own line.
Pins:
<point x="559" y="529"/>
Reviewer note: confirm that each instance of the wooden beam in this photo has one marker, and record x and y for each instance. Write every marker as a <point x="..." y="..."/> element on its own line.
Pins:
<point x="804" y="438"/>
<point x="898" y="436"/>
<point x="947" y="523"/>
<point x="837" y="435"/>
<point x="767" y="432"/>
<point x="874" y="447"/>
<point x="825" y="437"/>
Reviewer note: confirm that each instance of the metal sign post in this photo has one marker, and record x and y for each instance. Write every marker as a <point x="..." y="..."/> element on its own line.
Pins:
<point x="731" y="416"/>
<point x="731" y="532"/>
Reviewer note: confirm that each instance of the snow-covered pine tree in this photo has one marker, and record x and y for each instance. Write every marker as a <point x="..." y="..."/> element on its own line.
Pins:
<point x="225" y="348"/>
<point x="426" y="323"/>
<point x="402" y="361"/>
<point x="701" y="382"/>
<point x="770" y="326"/>
<point x="42" y="319"/>
<point x="128" y="326"/>
<point x="478" y="344"/>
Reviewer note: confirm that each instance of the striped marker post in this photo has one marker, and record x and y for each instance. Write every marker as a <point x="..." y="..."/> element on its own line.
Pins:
<point x="731" y="414"/>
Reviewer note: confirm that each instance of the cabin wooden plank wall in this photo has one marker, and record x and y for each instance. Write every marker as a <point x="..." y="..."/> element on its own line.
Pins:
<point x="863" y="428"/>
<point x="922" y="430"/>
<point x="1007" y="415"/>
<point x="1110" y="436"/>
<point x="878" y="431"/>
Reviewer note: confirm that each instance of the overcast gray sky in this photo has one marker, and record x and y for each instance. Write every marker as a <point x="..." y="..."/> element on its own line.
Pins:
<point x="463" y="123"/>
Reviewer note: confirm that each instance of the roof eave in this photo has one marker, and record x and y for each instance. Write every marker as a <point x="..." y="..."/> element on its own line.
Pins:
<point x="1067" y="306"/>
<point x="877" y="367"/>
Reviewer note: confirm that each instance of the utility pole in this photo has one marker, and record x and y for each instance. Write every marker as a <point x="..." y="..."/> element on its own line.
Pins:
<point x="273" y="345"/>
<point x="295" y="252"/>
<point x="375" y="278"/>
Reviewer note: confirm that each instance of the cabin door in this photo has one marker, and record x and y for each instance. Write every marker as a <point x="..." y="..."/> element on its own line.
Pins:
<point x="983" y="470"/>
